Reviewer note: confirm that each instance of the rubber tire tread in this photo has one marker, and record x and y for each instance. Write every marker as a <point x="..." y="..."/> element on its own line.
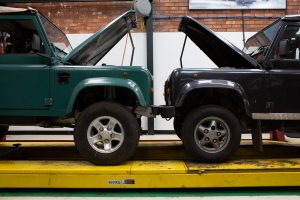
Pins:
<point x="124" y="116"/>
<point x="193" y="119"/>
<point x="177" y="124"/>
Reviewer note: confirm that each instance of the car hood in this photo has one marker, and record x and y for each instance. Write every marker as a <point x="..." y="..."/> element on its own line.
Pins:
<point x="218" y="49"/>
<point x="93" y="49"/>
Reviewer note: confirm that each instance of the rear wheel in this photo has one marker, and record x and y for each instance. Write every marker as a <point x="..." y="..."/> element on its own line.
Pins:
<point x="106" y="133"/>
<point x="211" y="133"/>
<point x="3" y="131"/>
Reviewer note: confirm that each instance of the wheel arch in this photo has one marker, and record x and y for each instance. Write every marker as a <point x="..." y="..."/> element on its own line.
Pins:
<point x="228" y="94"/>
<point x="106" y="82"/>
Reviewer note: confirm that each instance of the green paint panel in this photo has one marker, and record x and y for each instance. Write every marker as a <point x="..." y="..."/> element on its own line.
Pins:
<point x="23" y="87"/>
<point x="138" y="80"/>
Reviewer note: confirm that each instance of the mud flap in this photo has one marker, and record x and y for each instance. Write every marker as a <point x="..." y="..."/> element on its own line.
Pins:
<point x="257" y="135"/>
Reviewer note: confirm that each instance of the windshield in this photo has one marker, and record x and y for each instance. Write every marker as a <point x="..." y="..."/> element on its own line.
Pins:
<point x="261" y="41"/>
<point x="56" y="36"/>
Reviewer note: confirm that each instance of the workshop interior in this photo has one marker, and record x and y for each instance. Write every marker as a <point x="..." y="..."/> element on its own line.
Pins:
<point x="157" y="96"/>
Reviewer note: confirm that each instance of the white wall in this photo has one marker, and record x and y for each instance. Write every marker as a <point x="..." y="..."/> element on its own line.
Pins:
<point x="167" y="50"/>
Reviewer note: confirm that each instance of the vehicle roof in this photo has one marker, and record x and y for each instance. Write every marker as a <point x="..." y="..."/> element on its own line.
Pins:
<point x="12" y="10"/>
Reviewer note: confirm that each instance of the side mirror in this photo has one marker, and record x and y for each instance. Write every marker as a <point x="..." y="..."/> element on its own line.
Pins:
<point x="284" y="48"/>
<point x="36" y="43"/>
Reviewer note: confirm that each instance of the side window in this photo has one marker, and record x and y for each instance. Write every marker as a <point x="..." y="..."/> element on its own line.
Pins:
<point x="289" y="44"/>
<point x="19" y="37"/>
<point x="286" y="54"/>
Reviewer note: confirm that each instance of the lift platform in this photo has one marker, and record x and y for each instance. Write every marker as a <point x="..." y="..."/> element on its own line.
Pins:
<point x="155" y="165"/>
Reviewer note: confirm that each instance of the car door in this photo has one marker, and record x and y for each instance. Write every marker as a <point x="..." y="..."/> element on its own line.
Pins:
<point x="284" y="84"/>
<point x="24" y="71"/>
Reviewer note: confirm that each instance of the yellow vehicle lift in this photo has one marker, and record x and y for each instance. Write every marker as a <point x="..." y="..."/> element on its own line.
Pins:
<point x="155" y="165"/>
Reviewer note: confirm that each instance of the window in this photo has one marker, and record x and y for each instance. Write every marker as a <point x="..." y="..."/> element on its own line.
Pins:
<point x="19" y="37"/>
<point x="56" y="36"/>
<point x="289" y="44"/>
<point x="261" y="40"/>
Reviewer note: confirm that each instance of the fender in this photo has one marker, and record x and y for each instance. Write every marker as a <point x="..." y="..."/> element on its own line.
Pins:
<point x="106" y="81"/>
<point x="213" y="83"/>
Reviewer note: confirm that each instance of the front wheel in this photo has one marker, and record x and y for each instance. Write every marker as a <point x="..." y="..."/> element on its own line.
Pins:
<point x="106" y="133"/>
<point x="177" y="123"/>
<point x="211" y="133"/>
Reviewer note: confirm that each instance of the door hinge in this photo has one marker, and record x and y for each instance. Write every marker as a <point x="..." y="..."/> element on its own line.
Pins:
<point x="48" y="101"/>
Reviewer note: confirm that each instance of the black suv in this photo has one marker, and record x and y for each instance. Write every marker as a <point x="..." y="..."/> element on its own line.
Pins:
<point x="257" y="88"/>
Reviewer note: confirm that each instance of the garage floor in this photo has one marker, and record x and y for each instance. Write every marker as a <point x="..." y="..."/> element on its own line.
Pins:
<point x="245" y="194"/>
<point x="181" y="194"/>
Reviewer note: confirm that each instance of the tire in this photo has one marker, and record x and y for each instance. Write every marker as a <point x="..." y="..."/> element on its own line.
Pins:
<point x="3" y="132"/>
<point x="216" y="128"/>
<point x="106" y="133"/>
<point x="177" y="124"/>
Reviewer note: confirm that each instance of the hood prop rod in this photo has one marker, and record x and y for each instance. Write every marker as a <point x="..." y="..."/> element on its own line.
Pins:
<point x="133" y="48"/>
<point x="131" y="41"/>
<point x="182" y="51"/>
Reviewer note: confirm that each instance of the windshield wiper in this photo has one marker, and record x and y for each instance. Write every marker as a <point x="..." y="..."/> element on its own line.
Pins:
<point x="60" y="50"/>
<point x="259" y="50"/>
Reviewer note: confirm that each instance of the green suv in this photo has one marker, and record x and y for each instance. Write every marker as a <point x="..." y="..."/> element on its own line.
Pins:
<point x="44" y="82"/>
